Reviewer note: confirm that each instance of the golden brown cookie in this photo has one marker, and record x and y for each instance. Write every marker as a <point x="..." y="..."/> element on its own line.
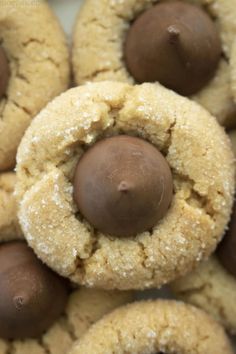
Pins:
<point x="179" y="129"/>
<point x="100" y="35"/>
<point x="155" y="327"/>
<point x="38" y="61"/>
<point x="9" y="225"/>
<point x="212" y="288"/>
<point x="84" y="307"/>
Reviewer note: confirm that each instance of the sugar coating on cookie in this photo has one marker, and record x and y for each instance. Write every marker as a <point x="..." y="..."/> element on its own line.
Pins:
<point x="212" y="286"/>
<point x="196" y="149"/>
<point x="84" y="307"/>
<point x="100" y="35"/>
<point x="155" y="327"/>
<point x="38" y="60"/>
<point x="9" y="225"/>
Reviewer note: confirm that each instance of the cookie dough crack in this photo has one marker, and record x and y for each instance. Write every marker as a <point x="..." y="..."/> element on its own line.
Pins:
<point x="169" y="139"/>
<point x="23" y="78"/>
<point x="34" y="40"/>
<point x="44" y="346"/>
<point x="79" y="267"/>
<point x="24" y="109"/>
<point x="203" y="201"/>
<point x="19" y="74"/>
<point x="42" y="43"/>
<point x="69" y="328"/>
<point x="53" y="62"/>
<point x="95" y="21"/>
<point x="101" y="71"/>
<point x="144" y="255"/>
<point x="95" y="244"/>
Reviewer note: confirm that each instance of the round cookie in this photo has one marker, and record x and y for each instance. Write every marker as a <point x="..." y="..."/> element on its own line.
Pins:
<point x="38" y="61"/>
<point x="100" y="35"/>
<point x="155" y="327"/>
<point x="179" y="129"/>
<point x="84" y="307"/>
<point x="9" y="225"/>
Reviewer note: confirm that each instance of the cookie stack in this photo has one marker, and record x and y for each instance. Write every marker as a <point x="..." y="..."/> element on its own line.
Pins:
<point x="123" y="183"/>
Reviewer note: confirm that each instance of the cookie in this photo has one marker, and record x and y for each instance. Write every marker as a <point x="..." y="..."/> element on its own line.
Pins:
<point x="212" y="288"/>
<point x="34" y="51"/>
<point x="38" y="313"/>
<point x="9" y="225"/>
<point x="116" y="41"/>
<point x="155" y="327"/>
<point x="188" y="229"/>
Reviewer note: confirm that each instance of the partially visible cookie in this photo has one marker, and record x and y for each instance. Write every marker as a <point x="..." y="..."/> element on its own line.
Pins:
<point x="213" y="289"/>
<point x="85" y="307"/>
<point x="212" y="286"/>
<point x="34" y="51"/>
<point x="197" y="199"/>
<point x="9" y="225"/>
<point x="155" y="327"/>
<point x="100" y="43"/>
<point x="39" y="313"/>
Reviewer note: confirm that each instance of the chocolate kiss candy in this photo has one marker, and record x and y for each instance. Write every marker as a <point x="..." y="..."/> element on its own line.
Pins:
<point x="226" y="250"/>
<point x="123" y="185"/>
<point x="175" y="43"/>
<point x="4" y="72"/>
<point x="32" y="296"/>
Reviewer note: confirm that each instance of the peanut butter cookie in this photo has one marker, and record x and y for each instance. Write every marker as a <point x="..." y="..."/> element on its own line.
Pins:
<point x="110" y="194"/>
<point x="34" y="68"/>
<point x="39" y="312"/>
<point x="185" y="45"/>
<point x="155" y="327"/>
<point x="9" y="225"/>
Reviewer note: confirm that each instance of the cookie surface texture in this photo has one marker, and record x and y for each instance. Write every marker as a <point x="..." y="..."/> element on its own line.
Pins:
<point x="155" y="327"/>
<point x="179" y="129"/>
<point x="38" y="58"/>
<point x="213" y="289"/>
<point x="9" y="225"/>
<point x="98" y="49"/>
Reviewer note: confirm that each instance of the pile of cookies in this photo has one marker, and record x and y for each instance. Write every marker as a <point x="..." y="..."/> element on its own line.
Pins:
<point x="124" y="182"/>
